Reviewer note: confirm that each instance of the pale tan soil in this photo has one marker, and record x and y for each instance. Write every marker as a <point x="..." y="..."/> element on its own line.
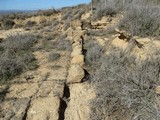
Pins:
<point x="5" y="34"/>
<point x="38" y="94"/>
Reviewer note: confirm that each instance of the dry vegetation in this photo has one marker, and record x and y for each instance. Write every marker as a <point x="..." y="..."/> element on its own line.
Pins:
<point x="43" y="34"/>
<point x="124" y="83"/>
<point x="142" y="19"/>
<point x="125" y="87"/>
<point x="16" y="55"/>
<point x="16" y="51"/>
<point x="94" y="52"/>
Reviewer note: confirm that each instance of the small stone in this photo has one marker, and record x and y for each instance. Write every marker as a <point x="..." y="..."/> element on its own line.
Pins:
<point x="44" y="109"/>
<point x="50" y="89"/>
<point x="76" y="44"/>
<point x="77" y="47"/>
<point x="76" y="51"/>
<point x="76" y="74"/>
<point x="158" y="89"/>
<point x="78" y="59"/>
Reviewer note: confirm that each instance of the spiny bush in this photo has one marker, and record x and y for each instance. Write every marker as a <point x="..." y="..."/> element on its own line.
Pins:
<point x="79" y="14"/>
<point x="66" y="15"/>
<point x="47" y="12"/>
<point x="9" y="66"/>
<point x="141" y="20"/>
<point x="3" y="91"/>
<point x="64" y="45"/>
<point x="30" y="23"/>
<point x="55" y="23"/>
<point x="8" y="24"/>
<point x="108" y="11"/>
<point x="126" y="86"/>
<point x="16" y="56"/>
<point x="66" y="24"/>
<point x="94" y="52"/>
<point x="46" y="45"/>
<point x="19" y="42"/>
<point x="72" y="13"/>
<point x="12" y="64"/>
<point x="111" y="8"/>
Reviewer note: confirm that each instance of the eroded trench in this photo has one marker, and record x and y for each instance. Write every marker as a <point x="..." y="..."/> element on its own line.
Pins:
<point x="27" y="108"/>
<point x="63" y="102"/>
<point x="66" y="94"/>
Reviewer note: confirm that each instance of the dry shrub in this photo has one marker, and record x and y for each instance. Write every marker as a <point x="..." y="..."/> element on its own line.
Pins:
<point x="66" y="24"/>
<point x="64" y="45"/>
<point x="94" y="52"/>
<point x="16" y="56"/>
<point x="72" y="13"/>
<point x="47" y="12"/>
<point x="111" y="8"/>
<point x="125" y="87"/>
<point x="19" y="42"/>
<point x="141" y="20"/>
<point x="53" y="56"/>
<point x="108" y="11"/>
<point x="8" y="24"/>
<point x="30" y="23"/>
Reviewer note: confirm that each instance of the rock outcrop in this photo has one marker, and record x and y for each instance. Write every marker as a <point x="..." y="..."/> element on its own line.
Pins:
<point x="78" y="59"/>
<point x="53" y="90"/>
<point x="78" y="107"/>
<point x="76" y="74"/>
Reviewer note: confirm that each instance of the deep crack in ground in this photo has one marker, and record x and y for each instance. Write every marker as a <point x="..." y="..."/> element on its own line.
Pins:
<point x="63" y="102"/>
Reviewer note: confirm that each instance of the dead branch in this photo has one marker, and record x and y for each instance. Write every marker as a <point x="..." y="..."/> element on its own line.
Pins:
<point x="128" y="37"/>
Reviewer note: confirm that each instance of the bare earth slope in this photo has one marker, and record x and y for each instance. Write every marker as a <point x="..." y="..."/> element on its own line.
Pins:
<point x="60" y="88"/>
<point x="48" y="93"/>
